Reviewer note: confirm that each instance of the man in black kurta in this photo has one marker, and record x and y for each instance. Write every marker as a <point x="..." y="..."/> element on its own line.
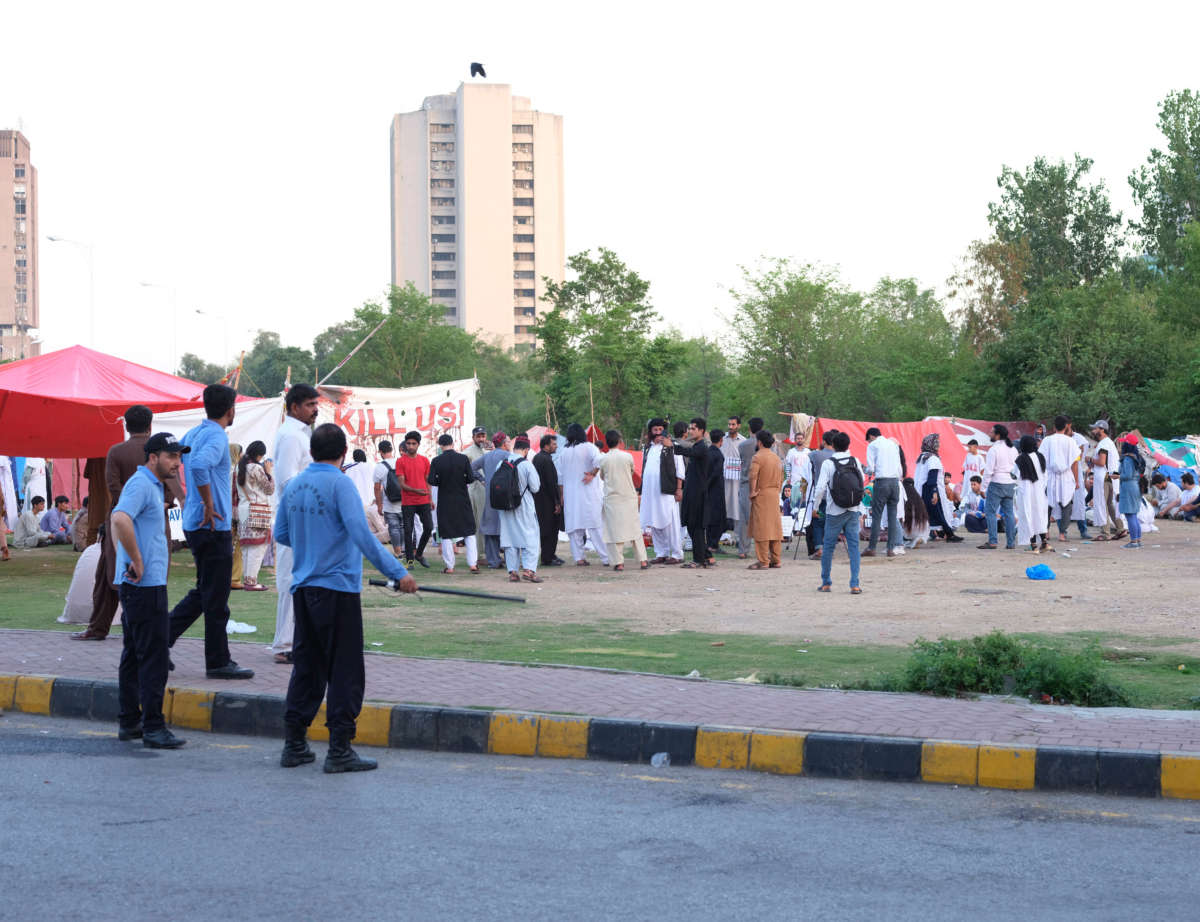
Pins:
<point x="715" y="491"/>
<point x="548" y="501"/>
<point x="451" y="473"/>
<point x="693" y="509"/>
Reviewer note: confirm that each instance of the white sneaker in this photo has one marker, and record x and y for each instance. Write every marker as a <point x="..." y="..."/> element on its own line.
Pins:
<point x="898" y="551"/>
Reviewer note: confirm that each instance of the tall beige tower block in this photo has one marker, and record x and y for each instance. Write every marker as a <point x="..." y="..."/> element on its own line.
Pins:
<point x="18" y="249"/>
<point x="477" y="208"/>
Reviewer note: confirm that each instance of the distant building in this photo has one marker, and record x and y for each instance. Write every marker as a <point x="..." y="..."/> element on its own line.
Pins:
<point x="18" y="248"/>
<point x="477" y="207"/>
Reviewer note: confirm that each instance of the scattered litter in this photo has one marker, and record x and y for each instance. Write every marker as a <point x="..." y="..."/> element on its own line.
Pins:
<point x="751" y="679"/>
<point x="1069" y="597"/>
<point x="1041" y="571"/>
<point x="1064" y="554"/>
<point x="801" y="651"/>
<point x="376" y="643"/>
<point x="1072" y="549"/>
<point x="660" y="759"/>
<point x="694" y="674"/>
<point x="1156" y="545"/>
<point x="717" y="643"/>
<point x="711" y="589"/>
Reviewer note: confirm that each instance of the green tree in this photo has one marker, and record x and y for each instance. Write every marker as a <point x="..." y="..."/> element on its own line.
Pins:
<point x="265" y="367"/>
<point x="1070" y="228"/>
<point x="596" y="342"/>
<point x="987" y="287"/>
<point x="194" y="368"/>
<point x="1167" y="186"/>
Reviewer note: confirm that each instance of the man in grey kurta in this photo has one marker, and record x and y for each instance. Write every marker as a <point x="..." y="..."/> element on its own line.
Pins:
<point x="489" y="523"/>
<point x="746" y="451"/>
<point x="520" y="534"/>
<point x="476" y="450"/>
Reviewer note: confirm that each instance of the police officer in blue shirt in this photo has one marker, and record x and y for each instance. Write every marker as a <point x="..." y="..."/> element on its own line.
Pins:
<point x="321" y="518"/>
<point x="207" y="519"/>
<point x="141" y="578"/>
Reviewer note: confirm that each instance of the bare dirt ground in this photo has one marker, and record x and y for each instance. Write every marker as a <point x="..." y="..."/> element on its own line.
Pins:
<point x="935" y="590"/>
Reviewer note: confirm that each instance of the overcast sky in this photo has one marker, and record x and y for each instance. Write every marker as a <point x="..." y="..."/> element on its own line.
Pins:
<point x="237" y="153"/>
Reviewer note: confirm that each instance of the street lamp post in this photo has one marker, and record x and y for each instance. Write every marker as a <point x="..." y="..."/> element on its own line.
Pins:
<point x="91" y="254"/>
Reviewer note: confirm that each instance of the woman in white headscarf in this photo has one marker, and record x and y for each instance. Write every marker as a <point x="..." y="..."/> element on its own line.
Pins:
<point x="931" y="485"/>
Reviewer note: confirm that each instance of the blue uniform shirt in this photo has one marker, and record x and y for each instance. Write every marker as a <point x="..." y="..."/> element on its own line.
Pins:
<point x="142" y="501"/>
<point x="321" y="518"/>
<point x="207" y="463"/>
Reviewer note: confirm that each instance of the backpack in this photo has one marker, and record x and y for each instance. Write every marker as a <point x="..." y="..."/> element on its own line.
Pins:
<point x="505" y="491"/>
<point x="391" y="486"/>
<point x="846" y="488"/>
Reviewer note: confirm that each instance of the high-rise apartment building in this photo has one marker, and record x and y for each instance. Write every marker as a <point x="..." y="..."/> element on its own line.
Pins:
<point x="477" y="207"/>
<point x="18" y="248"/>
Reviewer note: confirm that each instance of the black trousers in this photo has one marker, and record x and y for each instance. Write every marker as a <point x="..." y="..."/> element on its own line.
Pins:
<point x="327" y="653"/>
<point x="142" y="674"/>
<point x="548" y="530"/>
<point x="213" y="553"/>
<point x="713" y="533"/>
<point x="408" y="513"/>
<point x="699" y="536"/>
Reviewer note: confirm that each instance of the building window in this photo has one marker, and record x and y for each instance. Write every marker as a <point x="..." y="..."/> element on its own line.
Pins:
<point x="19" y="171"/>
<point x="522" y="203"/>
<point x="523" y="274"/>
<point x="445" y="274"/>
<point x="21" y="263"/>
<point x="441" y="128"/>
<point x="444" y="238"/>
<point x="22" y="277"/>
<point x="525" y="311"/>
<point x="523" y="292"/>
<point x="445" y="292"/>
<point x="444" y="219"/>
<point x="523" y="149"/>
<point x="442" y="147"/>
<point x="443" y="203"/>
<point x="19" y="205"/>
<point x="522" y="129"/>
<point x="441" y="166"/>
<point x="523" y="257"/>
<point x="443" y="257"/>
<point x="520" y="184"/>
<point x="522" y="238"/>
<point x="441" y="183"/>
<point x="523" y="166"/>
<point x="450" y="310"/>
<point x="523" y="219"/>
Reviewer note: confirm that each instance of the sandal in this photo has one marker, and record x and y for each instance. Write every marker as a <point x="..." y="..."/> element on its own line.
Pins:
<point x="514" y="578"/>
<point x="583" y="563"/>
<point x="447" y="569"/>
<point x="254" y="587"/>
<point x="475" y="570"/>
<point x="619" y="568"/>
<point x="644" y="565"/>
<point x="692" y="565"/>
<point x="284" y="658"/>
<point x="856" y="590"/>
<point x="530" y="577"/>
<point x="825" y="588"/>
<point x="756" y="566"/>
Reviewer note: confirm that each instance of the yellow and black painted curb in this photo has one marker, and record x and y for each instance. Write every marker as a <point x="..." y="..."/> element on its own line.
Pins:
<point x="1131" y="773"/>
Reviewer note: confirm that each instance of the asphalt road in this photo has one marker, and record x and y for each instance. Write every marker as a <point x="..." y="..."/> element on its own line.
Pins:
<point x="94" y="829"/>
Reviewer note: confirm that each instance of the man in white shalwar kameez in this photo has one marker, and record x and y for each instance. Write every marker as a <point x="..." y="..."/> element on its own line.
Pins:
<point x="520" y="534"/>
<point x="732" y="472"/>
<point x="583" y="497"/>
<point x="660" y="511"/>
<point x="1062" y="471"/>
<point x="8" y="490"/>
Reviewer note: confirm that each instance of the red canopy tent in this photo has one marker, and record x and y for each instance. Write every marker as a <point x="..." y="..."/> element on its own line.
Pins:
<point x="69" y="403"/>
<point x="909" y="435"/>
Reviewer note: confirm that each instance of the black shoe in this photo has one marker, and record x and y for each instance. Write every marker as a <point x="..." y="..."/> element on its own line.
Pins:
<point x="341" y="758"/>
<point x="230" y="670"/>
<point x="952" y="538"/>
<point x="556" y="562"/>
<point x="132" y="733"/>
<point x="296" y="752"/>
<point x="421" y="561"/>
<point x="162" y="739"/>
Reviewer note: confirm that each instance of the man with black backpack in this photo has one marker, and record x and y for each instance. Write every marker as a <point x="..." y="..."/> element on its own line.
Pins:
<point x="389" y="497"/>
<point x="840" y="484"/>
<point x="511" y="493"/>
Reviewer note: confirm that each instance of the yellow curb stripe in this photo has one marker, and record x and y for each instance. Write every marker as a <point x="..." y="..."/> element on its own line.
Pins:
<point x="8" y="690"/>
<point x="722" y="747"/>
<point x="949" y="763"/>
<point x="374" y="725"/>
<point x="513" y="734"/>
<point x="32" y="694"/>
<point x="563" y="737"/>
<point x="1181" y="776"/>
<point x="777" y="751"/>
<point x="1011" y="767"/>
<point x="189" y="707"/>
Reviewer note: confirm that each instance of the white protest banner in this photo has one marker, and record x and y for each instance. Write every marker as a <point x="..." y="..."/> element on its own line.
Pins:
<point x="369" y="415"/>
<point x="175" y="520"/>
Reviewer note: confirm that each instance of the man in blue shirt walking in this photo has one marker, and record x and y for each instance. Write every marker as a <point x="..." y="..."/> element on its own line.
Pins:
<point x="206" y="526"/>
<point x="321" y="518"/>
<point x="141" y="578"/>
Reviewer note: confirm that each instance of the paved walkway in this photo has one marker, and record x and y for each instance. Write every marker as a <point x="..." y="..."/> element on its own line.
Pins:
<point x="601" y="693"/>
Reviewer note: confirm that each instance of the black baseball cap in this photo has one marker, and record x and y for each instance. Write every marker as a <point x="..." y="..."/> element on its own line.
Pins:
<point x="164" y="442"/>
<point x="478" y="430"/>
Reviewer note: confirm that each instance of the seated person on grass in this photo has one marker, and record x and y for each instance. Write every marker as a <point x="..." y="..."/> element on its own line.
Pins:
<point x="57" y="521"/>
<point x="1164" y="495"/>
<point x="27" y="534"/>
<point x="1189" y="499"/>
<point x="974" y="506"/>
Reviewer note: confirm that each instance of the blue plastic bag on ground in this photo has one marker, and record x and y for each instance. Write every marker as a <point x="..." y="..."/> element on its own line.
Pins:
<point x="1041" y="571"/>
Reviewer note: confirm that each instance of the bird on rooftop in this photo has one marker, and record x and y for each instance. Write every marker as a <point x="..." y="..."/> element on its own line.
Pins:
<point x="477" y="70"/>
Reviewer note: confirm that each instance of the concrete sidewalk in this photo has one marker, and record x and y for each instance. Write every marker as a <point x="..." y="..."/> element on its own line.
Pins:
<point x="650" y="698"/>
